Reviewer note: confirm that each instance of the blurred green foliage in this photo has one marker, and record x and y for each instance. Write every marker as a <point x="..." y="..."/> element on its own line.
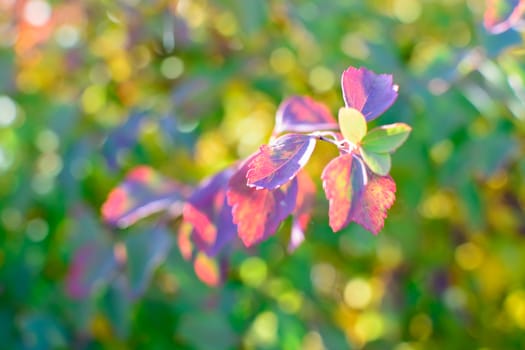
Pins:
<point x="446" y="272"/>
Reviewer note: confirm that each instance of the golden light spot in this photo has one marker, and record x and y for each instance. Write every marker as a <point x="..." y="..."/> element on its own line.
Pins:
<point x="192" y="11"/>
<point x="93" y="99"/>
<point x="226" y="24"/>
<point x="498" y="181"/>
<point x="420" y="326"/>
<point x="407" y="11"/>
<point x="119" y="68"/>
<point x="437" y="205"/>
<point x="253" y="271"/>
<point x="358" y="293"/>
<point x="290" y="301"/>
<point x="323" y="277"/>
<point x="441" y="151"/>
<point x="515" y="307"/>
<point x="389" y="253"/>
<point x="282" y="60"/>
<point x="321" y="79"/>
<point x="369" y="326"/>
<point x="355" y="46"/>
<point x="172" y="67"/>
<point x="312" y="341"/>
<point x="468" y="256"/>
<point x="263" y="331"/>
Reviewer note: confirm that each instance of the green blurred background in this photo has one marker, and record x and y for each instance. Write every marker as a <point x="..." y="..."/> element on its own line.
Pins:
<point x="205" y="78"/>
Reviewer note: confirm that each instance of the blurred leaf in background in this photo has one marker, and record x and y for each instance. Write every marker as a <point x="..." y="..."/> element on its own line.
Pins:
<point x="90" y="90"/>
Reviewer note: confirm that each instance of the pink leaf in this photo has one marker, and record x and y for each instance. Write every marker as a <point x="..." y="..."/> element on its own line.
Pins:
<point x="142" y="193"/>
<point x="210" y="215"/>
<point x="278" y="163"/>
<point x="258" y="213"/>
<point x="303" y="114"/>
<point x="501" y="15"/>
<point x="356" y="194"/>
<point x="209" y="270"/>
<point x="369" y="93"/>
<point x="303" y="209"/>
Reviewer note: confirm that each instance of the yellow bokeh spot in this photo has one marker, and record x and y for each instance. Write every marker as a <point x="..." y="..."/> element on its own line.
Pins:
<point x="93" y="99"/>
<point x="192" y="11"/>
<point x="172" y="67"/>
<point x="282" y="60"/>
<point x="437" y="205"/>
<point x="407" y="11"/>
<point x="109" y="43"/>
<point x="468" y="256"/>
<point x="389" y="254"/>
<point x="355" y="46"/>
<point x="369" y="326"/>
<point x="226" y="24"/>
<point x="312" y="341"/>
<point x="420" y="326"/>
<point x="441" y="151"/>
<point x="498" y="181"/>
<point x="358" y="293"/>
<point x="515" y="307"/>
<point x="323" y="277"/>
<point x="120" y="68"/>
<point x="253" y="271"/>
<point x="290" y="301"/>
<point x="263" y="331"/>
<point x="211" y="152"/>
<point x="321" y="79"/>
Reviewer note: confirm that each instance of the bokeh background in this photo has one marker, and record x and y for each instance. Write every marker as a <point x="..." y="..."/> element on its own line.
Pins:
<point x="91" y="89"/>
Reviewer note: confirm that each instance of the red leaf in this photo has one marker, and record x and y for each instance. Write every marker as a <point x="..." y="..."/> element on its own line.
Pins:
<point x="278" y="163"/>
<point x="501" y="15"/>
<point x="337" y="184"/>
<point x="184" y="240"/>
<point x="356" y="194"/>
<point x="303" y="114"/>
<point x="370" y="210"/>
<point x="142" y="193"/>
<point x="369" y="93"/>
<point x="303" y="209"/>
<point x="258" y="213"/>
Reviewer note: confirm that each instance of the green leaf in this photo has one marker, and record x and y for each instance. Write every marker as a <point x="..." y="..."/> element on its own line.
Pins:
<point x="352" y="124"/>
<point x="386" y="138"/>
<point x="379" y="163"/>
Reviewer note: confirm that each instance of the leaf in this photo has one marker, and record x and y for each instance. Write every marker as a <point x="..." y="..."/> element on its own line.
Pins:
<point x="145" y="251"/>
<point x="501" y="15"/>
<point x="93" y="266"/>
<point x="276" y="164"/>
<point x="370" y="209"/>
<point x="352" y="124"/>
<point x="369" y="93"/>
<point x="208" y="270"/>
<point x="303" y="209"/>
<point x="122" y="138"/>
<point x="386" y="138"/>
<point x="342" y="178"/>
<point x="142" y="193"/>
<point x="258" y="212"/>
<point x="379" y="163"/>
<point x="355" y="194"/>
<point x="303" y="114"/>
<point x="184" y="240"/>
<point x="210" y="215"/>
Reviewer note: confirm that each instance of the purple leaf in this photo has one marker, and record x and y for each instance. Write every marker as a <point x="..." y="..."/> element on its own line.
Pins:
<point x="93" y="266"/>
<point x="276" y="164"/>
<point x="303" y="209"/>
<point x="210" y="215"/>
<point x="122" y="138"/>
<point x="258" y="213"/>
<point x="369" y="93"/>
<point x="303" y="114"/>
<point x="145" y="251"/>
<point x="142" y="193"/>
